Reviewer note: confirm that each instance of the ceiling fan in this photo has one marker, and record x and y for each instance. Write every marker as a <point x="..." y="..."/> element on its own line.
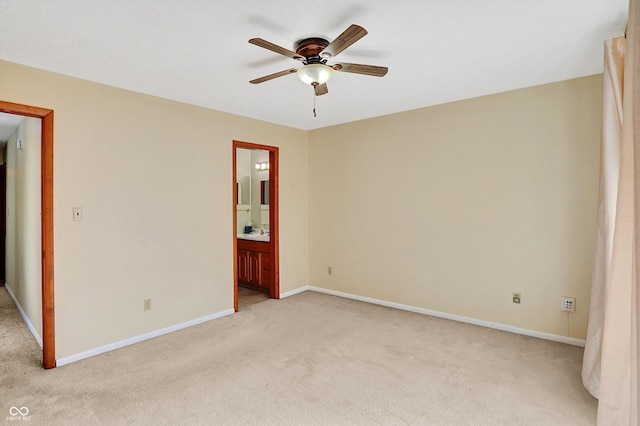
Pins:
<point x="314" y="52"/>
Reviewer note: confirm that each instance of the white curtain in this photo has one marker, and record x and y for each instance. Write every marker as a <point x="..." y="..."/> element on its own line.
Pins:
<point x="612" y="352"/>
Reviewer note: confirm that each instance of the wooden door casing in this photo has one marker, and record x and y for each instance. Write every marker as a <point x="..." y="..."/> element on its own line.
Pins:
<point x="270" y="265"/>
<point x="46" y="162"/>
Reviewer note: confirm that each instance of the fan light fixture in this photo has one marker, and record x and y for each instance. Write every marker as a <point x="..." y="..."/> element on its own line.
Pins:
<point x="315" y="74"/>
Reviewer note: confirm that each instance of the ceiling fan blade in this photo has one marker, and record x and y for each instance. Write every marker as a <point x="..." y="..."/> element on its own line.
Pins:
<point x="275" y="48"/>
<point x="344" y="40"/>
<point x="373" y="70"/>
<point x="274" y="75"/>
<point x="321" y="89"/>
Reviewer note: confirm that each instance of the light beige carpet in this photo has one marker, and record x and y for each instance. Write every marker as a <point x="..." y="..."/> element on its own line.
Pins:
<point x="19" y="351"/>
<point x="310" y="359"/>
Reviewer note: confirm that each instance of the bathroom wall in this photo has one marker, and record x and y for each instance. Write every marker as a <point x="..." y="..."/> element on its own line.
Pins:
<point x="243" y="169"/>
<point x="257" y="176"/>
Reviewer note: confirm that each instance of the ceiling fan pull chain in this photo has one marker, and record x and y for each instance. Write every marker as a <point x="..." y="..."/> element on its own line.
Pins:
<point x="314" y="104"/>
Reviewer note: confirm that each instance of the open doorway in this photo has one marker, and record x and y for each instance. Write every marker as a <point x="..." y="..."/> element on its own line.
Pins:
<point x="255" y="221"/>
<point x="48" y="325"/>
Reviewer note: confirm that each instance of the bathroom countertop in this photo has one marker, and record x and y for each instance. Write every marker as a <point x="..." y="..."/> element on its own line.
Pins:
<point x="254" y="237"/>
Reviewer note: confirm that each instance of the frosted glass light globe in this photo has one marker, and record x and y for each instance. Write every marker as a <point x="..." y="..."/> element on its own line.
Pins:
<point x="315" y="73"/>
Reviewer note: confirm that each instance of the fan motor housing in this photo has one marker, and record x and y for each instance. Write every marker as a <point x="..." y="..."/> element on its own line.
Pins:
<point x="310" y="48"/>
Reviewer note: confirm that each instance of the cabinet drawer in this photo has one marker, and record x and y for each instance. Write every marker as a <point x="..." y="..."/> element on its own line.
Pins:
<point x="256" y="246"/>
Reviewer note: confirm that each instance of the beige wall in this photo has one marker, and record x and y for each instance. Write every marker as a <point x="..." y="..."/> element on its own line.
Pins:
<point x="23" y="238"/>
<point x="449" y="208"/>
<point x="154" y="179"/>
<point x="454" y="207"/>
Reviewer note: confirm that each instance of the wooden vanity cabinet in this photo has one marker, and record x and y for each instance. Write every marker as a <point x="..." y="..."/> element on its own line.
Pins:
<point x="254" y="264"/>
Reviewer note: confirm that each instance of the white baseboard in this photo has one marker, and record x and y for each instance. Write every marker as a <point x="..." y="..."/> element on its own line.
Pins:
<point x="117" y="345"/>
<point x="294" y="291"/>
<point x="468" y="320"/>
<point x="30" y="326"/>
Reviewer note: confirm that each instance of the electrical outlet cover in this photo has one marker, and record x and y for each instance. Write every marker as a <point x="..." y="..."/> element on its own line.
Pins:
<point x="568" y="304"/>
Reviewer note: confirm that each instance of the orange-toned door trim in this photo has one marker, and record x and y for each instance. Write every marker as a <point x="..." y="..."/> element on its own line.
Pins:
<point x="274" y="214"/>
<point x="48" y="317"/>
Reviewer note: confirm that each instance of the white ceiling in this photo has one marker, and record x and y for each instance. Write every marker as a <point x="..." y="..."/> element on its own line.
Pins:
<point x="196" y="51"/>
